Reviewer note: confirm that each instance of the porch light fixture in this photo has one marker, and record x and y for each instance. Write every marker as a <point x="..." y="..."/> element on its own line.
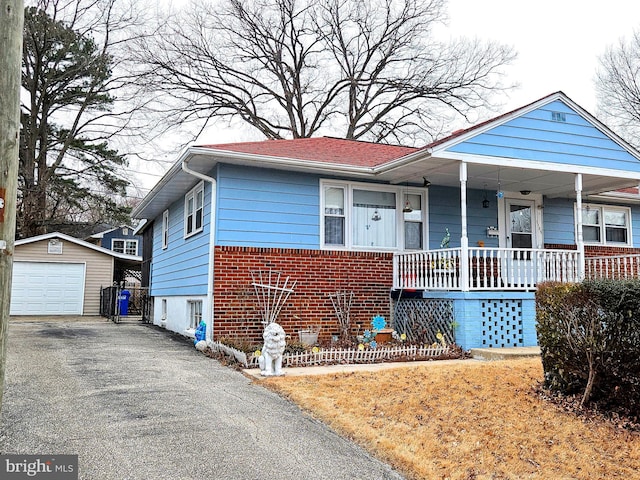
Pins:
<point x="485" y="201"/>
<point x="407" y="205"/>
<point x="525" y="192"/>
<point x="425" y="183"/>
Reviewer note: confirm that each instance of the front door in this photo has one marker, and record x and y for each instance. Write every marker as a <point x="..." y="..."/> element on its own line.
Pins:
<point x="520" y="225"/>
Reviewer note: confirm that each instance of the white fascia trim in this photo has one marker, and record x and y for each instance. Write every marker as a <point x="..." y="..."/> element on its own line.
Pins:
<point x="77" y="241"/>
<point x="539" y="165"/>
<point x="149" y="197"/>
<point x="402" y="161"/>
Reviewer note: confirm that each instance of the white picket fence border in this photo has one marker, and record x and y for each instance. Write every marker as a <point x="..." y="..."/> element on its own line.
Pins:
<point x="339" y="356"/>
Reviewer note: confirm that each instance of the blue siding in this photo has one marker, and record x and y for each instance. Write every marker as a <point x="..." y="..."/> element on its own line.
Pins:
<point x="559" y="220"/>
<point x="118" y="235"/>
<point x="444" y="212"/>
<point x="181" y="268"/>
<point x="535" y="136"/>
<point x="267" y="208"/>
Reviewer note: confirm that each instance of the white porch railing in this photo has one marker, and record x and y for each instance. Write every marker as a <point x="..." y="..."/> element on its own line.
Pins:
<point x="614" y="267"/>
<point x="489" y="269"/>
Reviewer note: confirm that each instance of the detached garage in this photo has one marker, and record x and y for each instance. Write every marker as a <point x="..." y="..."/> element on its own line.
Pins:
<point x="55" y="274"/>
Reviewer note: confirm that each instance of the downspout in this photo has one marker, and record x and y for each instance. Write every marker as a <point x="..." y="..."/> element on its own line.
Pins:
<point x="212" y="242"/>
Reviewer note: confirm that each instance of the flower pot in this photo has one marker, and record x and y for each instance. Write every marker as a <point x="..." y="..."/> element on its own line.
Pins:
<point x="384" y="336"/>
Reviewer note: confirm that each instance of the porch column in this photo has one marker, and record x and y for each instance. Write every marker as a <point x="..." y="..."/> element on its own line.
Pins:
<point x="464" y="239"/>
<point x="579" y="238"/>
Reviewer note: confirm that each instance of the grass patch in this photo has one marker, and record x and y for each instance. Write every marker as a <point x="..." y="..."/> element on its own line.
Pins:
<point x="466" y="421"/>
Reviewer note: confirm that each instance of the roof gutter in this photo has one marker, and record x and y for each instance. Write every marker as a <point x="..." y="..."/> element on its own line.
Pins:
<point x="212" y="230"/>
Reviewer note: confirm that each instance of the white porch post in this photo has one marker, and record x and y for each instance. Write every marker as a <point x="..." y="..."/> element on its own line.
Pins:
<point x="579" y="238"/>
<point x="464" y="239"/>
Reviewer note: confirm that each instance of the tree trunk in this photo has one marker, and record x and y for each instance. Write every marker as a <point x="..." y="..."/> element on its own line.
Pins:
<point x="590" y="380"/>
<point x="11" y="22"/>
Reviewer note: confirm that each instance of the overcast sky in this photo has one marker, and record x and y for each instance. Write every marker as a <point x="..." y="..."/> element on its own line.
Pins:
<point x="558" y="44"/>
<point x="558" y="41"/>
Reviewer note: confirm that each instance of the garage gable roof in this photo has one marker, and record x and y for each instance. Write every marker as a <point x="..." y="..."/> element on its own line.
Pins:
<point x="77" y="241"/>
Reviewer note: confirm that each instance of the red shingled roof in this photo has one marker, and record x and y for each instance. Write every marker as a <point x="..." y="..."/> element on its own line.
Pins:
<point x="322" y="149"/>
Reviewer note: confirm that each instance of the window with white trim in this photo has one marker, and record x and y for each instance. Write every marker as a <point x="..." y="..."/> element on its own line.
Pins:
<point x="130" y="247"/>
<point x="334" y="215"/>
<point x="194" y="210"/>
<point x="165" y="229"/>
<point x="412" y="213"/>
<point x="372" y="217"/>
<point x="606" y="225"/>
<point x="194" y="312"/>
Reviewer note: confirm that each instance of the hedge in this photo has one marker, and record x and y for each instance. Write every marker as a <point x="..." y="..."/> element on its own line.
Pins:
<point x="589" y="337"/>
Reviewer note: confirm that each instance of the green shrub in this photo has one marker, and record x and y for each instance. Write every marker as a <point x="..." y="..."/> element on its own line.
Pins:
<point x="589" y="336"/>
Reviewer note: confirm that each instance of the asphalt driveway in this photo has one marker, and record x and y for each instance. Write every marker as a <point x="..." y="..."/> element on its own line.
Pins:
<point x="135" y="402"/>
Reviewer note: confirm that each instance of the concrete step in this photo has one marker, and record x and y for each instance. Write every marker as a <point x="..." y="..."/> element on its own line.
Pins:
<point x="505" y="353"/>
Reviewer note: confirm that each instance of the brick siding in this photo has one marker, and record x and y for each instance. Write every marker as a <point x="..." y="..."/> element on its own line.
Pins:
<point x="317" y="273"/>
<point x="596" y="250"/>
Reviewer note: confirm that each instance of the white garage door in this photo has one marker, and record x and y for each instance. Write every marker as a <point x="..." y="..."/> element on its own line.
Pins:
<point x="40" y="288"/>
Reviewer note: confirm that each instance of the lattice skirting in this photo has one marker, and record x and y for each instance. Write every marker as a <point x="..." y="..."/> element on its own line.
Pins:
<point x="502" y="324"/>
<point x="421" y="319"/>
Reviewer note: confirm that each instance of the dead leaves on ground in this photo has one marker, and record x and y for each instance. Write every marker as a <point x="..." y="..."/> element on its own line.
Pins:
<point x="468" y="420"/>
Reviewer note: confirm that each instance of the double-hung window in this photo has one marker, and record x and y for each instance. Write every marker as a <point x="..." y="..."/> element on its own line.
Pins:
<point x="129" y="247"/>
<point x="364" y="216"/>
<point x="606" y="225"/>
<point x="193" y="210"/>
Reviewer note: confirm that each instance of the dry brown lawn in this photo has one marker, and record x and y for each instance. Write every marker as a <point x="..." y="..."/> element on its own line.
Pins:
<point x="470" y="420"/>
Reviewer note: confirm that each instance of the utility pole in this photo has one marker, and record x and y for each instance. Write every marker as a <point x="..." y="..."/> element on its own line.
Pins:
<point x="11" y="23"/>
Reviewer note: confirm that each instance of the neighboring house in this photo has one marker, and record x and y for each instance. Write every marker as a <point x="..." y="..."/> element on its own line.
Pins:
<point x="55" y="274"/>
<point x="121" y="239"/>
<point x="458" y="232"/>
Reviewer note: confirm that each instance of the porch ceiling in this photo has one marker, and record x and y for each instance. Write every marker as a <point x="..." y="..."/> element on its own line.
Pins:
<point x="441" y="171"/>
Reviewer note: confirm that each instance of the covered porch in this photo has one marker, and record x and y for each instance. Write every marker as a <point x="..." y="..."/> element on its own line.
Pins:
<point x="533" y="231"/>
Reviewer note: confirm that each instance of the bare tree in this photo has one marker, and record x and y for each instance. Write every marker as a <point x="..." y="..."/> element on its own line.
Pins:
<point x="363" y="69"/>
<point x="618" y="88"/>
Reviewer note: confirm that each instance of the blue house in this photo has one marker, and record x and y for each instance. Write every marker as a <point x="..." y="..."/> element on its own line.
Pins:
<point x="453" y="237"/>
<point x="120" y="239"/>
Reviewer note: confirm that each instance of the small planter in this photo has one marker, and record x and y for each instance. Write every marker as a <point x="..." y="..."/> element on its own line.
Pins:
<point x="384" y="336"/>
<point x="308" y="336"/>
